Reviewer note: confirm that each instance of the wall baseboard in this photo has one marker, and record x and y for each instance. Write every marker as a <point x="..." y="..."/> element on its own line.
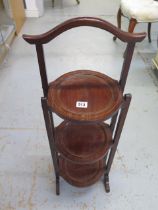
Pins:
<point x="32" y="13"/>
<point x="48" y="3"/>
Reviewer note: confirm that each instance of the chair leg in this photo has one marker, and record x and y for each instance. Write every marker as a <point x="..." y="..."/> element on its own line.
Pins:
<point x="78" y="2"/>
<point x="119" y="14"/>
<point x="131" y="27"/>
<point x="132" y="24"/>
<point x="117" y="134"/>
<point x="50" y="133"/>
<point x="149" y="32"/>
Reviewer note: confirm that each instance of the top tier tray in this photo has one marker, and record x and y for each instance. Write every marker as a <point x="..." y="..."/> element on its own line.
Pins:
<point x="99" y="95"/>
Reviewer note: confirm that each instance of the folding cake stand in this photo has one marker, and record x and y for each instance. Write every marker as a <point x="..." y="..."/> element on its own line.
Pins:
<point x="84" y="144"/>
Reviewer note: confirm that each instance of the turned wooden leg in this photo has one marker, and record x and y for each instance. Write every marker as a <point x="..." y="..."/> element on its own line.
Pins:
<point x="52" y="3"/>
<point x="119" y="14"/>
<point x="149" y="32"/>
<point x="132" y="24"/>
<point x="131" y="27"/>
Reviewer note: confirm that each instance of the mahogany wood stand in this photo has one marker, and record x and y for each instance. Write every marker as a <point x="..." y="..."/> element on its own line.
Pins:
<point x="84" y="144"/>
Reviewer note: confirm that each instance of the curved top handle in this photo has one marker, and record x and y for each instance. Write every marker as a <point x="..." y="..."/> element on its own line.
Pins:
<point x="84" y="21"/>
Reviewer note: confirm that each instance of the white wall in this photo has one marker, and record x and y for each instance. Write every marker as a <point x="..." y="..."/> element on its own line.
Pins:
<point x="34" y="8"/>
<point x="7" y="8"/>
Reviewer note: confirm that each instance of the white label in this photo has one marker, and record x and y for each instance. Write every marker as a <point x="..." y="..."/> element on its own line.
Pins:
<point x="82" y="104"/>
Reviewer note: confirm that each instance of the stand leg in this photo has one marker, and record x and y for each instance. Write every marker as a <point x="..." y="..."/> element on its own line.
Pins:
<point x="50" y="133"/>
<point x="58" y="185"/>
<point x="106" y="177"/>
<point x="78" y="2"/>
<point x="117" y="134"/>
<point x="106" y="183"/>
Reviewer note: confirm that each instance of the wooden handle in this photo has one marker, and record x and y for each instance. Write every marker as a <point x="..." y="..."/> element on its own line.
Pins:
<point x="84" y="21"/>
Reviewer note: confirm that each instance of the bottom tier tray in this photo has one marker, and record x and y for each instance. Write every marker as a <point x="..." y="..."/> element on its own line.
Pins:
<point x="83" y="143"/>
<point x="81" y="175"/>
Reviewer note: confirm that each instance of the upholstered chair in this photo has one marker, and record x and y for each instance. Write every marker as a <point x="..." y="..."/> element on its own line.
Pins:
<point x="138" y="11"/>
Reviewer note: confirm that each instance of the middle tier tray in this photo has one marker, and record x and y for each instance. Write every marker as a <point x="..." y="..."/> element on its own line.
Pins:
<point x="83" y="142"/>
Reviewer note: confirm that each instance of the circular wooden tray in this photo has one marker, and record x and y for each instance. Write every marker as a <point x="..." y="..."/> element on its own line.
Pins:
<point x="81" y="175"/>
<point x="100" y="93"/>
<point x="83" y="142"/>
